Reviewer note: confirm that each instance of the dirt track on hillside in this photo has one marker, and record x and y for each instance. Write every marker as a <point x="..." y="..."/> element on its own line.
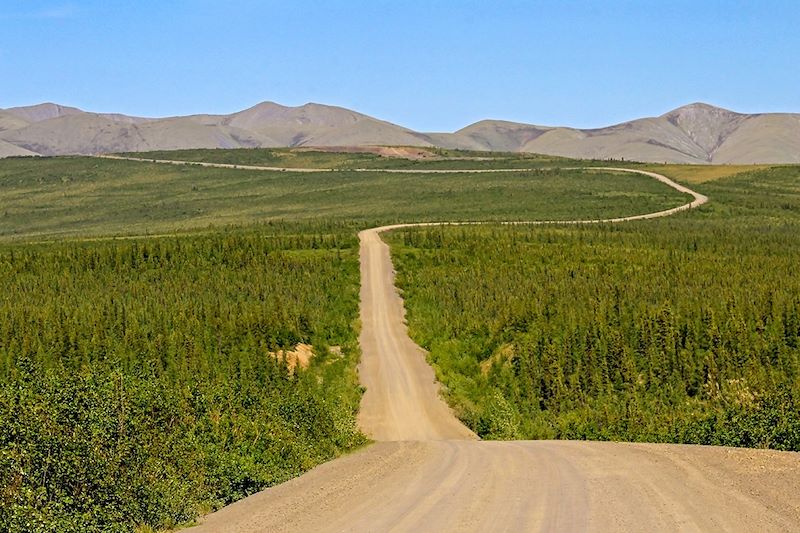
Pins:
<point x="429" y="473"/>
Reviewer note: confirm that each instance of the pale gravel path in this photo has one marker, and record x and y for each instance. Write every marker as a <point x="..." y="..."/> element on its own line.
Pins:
<point x="428" y="472"/>
<point x="401" y="401"/>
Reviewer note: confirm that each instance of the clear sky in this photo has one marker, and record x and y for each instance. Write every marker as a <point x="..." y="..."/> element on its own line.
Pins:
<point x="430" y="65"/>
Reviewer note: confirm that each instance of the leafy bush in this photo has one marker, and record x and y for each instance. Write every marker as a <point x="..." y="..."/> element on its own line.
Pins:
<point x="138" y="387"/>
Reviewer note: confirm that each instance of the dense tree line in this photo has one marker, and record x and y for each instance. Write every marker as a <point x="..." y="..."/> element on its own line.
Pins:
<point x="137" y="381"/>
<point x="680" y="330"/>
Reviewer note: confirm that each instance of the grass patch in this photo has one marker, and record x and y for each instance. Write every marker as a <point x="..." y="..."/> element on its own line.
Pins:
<point x="79" y="196"/>
<point x="703" y="173"/>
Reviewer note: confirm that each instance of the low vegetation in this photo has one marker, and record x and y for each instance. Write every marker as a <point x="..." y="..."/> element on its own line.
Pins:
<point x="702" y="173"/>
<point x="47" y="198"/>
<point x="433" y="158"/>
<point x="684" y="329"/>
<point x="138" y="381"/>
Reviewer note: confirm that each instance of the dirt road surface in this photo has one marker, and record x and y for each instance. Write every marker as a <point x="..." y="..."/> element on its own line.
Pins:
<point x="428" y="472"/>
<point x="456" y="486"/>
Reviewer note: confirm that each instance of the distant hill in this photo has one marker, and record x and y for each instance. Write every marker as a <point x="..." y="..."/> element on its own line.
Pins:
<point x="696" y="133"/>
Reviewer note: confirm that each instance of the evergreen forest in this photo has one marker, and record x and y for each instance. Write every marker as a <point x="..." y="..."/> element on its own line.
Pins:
<point x="140" y="381"/>
<point x="683" y="329"/>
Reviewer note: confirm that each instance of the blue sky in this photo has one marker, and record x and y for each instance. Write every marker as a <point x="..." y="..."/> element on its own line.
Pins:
<point x="429" y="65"/>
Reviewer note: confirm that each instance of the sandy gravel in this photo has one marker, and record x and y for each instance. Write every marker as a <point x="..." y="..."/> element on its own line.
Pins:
<point x="427" y="472"/>
<point x="529" y="486"/>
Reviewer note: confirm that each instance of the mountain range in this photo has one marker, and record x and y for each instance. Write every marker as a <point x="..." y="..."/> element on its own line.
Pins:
<point x="696" y="133"/>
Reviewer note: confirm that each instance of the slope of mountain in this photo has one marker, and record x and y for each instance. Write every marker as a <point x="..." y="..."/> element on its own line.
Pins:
<point x="768" y="138"/>
<point x="9" y="150"/>
<point x="321" y="125"/>
<point x="648" y="139"/>
<point x="707" y="126"/>
<point x="696" y="133"/>
<point x="40" y="112"/>
<point x="90" y="133"/>
<point x="497" y="135"/>
<point x="9" y="121"/>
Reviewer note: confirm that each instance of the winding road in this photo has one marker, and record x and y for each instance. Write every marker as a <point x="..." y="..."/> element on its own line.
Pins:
<point x="401" y="401"/>
<point x="428" y="472"/>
